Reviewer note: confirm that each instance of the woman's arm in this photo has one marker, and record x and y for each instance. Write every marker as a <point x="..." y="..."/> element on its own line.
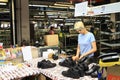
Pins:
<point x="76" y="57"/>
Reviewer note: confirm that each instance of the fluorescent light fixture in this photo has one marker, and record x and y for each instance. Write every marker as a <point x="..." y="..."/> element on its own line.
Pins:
<point x="3" y="3"/>
<point x="69" y="23"/>
<point x="38" y="5"/>
<point x="58" y="7"/>
<point x="3" y="0"/>
<point x="58" y="19"/>
<point x="65" y="5"/>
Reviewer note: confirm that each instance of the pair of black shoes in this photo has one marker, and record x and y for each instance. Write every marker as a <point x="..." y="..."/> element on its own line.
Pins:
<point x="44" y="64"/>
<point x="76" y="71"/>
<point x="93" y="71"/>
<point x="68" y="62"/>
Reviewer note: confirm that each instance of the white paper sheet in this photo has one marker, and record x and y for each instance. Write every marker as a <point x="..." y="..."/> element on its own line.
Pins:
<point x="27" y="54"/>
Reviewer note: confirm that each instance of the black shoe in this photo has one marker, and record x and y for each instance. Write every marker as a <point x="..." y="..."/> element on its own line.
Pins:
<point x="72" y="73"/>
<point x="40" y="64"/>
<point x="68" y="62"/>
<point x="92" y="70"/>
<point x="85" y="66"/>
<point x="55" y="57"/>
<point x="110" y="58"/>
<point x="45" y="64"/>
<point x="94" y="74"/>
<point x="108" y="54"/>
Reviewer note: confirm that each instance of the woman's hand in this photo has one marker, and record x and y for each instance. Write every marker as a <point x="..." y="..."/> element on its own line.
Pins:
<point x="75" y="58"/>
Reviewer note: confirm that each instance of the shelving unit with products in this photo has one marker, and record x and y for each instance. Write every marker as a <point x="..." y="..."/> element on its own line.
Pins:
<point x="112" y="42"/>
<point x="5" y="36"/>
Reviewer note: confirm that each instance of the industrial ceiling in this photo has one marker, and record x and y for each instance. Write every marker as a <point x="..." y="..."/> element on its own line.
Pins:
<point x="44" y="10"/>
<point x="47" y="8"/>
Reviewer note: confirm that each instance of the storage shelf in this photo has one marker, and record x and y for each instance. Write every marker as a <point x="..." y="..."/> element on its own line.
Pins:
<point x="106" y="53"/>
<point x="108" y="33"/>
<point x="71" y="35"/>
<point x="111" y="44"/>
<point x="5" y="37"/>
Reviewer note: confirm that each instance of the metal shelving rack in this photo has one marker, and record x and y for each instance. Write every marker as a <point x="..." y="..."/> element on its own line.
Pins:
<point x="107" y="43"/>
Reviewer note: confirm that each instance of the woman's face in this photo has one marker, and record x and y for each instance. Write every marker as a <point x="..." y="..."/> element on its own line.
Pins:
<point x="81" y="31"/>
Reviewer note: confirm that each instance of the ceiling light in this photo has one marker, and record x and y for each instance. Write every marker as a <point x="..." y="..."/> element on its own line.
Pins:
<point x="38" y="5"/>
<point x="56" y="4"/>
<point x="58" y="7"/>
<point x="58" y="19"/>
<point x="3" y="3"/>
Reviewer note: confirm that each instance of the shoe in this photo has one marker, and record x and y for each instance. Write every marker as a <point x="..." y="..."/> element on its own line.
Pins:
<point x="68" y="62"/>
<point x="45" y="64"/>
<point x="81" y="69"/>
<point x="108" y="54"/>
<point x="92" y="70"/>
<point x="85" y="66"/>
<point x="94" y="74"/>
<point x="110" y="58"/>
<point x="39" y="64"/>
<point x="54" y="57"/>
<point x="72" y="73"/>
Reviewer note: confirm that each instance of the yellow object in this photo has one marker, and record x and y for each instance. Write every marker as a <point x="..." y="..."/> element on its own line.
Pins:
<point x="108" y="64"/>
<point x="19" y="65"/>
<point x="50" y="55"/>
<point x="61" y="35"/>
<point x="2" y="54"/>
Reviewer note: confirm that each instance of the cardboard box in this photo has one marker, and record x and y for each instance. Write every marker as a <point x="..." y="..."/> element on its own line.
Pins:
<point x="51" y="40"/>
<point x="113" y="72"/>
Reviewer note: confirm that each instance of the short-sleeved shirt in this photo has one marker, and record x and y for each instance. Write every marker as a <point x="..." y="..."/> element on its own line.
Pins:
<point x="85" y="42"/>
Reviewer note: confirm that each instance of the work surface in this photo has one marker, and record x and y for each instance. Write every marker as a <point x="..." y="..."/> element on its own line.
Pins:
<point x="55" y="73"/>
<point x="30" y="68"/>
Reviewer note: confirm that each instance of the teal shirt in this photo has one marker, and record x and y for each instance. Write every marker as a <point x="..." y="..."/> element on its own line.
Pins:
<point x="85" y="42"/>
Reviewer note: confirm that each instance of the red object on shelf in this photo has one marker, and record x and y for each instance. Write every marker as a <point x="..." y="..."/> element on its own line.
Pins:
<point x="1" y="47"/>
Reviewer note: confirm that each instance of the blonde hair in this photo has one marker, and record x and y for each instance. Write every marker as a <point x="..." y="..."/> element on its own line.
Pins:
<point x="79" y="25"/>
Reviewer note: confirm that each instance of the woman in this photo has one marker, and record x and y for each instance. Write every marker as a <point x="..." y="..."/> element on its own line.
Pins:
<point x="86" y="42"/>
<point x="51" y="31"/>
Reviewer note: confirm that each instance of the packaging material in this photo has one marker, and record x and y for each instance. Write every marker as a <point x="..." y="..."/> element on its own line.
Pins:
<point x="18" y="54"/>
<point x="46" y="54"/>
<point x="56" y="49"/>
<point x="113" y="72"/>
<point x="51" y="40"/>
<point x="34" y="51"/>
